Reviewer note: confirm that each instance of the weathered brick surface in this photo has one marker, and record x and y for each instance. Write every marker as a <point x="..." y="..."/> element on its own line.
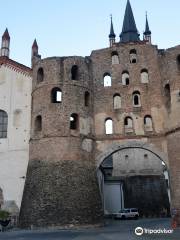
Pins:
<point x="174" y="166"/>
<point x="61" y="186"/>
<point x="60" y="193"/>
<point x="153" y="190"/>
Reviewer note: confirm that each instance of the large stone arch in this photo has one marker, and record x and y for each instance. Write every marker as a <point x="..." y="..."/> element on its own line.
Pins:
<point x="111" y="177"/>
<point x="115" y="147"/>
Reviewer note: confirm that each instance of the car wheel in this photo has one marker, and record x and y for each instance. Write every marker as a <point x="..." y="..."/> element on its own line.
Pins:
<point x="136" y="217"/>
<point x="123" y="217"/>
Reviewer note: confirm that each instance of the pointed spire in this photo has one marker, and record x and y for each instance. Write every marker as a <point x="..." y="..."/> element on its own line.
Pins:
<point x="147" y="31"/>
<point x="35" y="44"/>
<point x="129" y="31"/>
<point x="34" y="52"/>
<point x="6" y="36"/>
<point x="5" y="44"/>
<point x="112" y="34"/>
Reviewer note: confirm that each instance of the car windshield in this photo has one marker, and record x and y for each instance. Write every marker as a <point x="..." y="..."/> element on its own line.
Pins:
<point x="127" y="210"/>
<point x="122" y="211"/>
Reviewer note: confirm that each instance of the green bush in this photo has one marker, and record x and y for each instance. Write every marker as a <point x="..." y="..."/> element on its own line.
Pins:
<point x="4" y="215"/>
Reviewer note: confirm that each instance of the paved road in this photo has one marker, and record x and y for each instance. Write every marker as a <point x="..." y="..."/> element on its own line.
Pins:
<point x="114" y="230"/>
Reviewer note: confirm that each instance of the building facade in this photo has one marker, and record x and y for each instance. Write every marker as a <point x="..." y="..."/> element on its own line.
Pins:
<point x="105" y="132"/>
<point x="15" y="110"/>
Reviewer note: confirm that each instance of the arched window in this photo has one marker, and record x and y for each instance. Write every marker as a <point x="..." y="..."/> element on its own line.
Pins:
<point x="3" y="124"/>
<point x="38" y="124"/>
<point x="128" y="124"/>
<point x="136" y="99"/>
<point x="144" y="76"/>
<point x="107" y="80"/>
<point x="40" y="75"/>
<point x="125" y="78"/>
<point x="148" y="126"/>
<point x="56" y="95"/>
<point x="115" y="57"/>
<point x="178" y="62"/>
<point x="74" y="72"/>
<point x="117" y="101"/>
<point x="74" y="121"/>
<point x="108" y="126"/>
<point x="167" y="93"/>
<point x="133" y="56"/>
<point x="86" y="99"/>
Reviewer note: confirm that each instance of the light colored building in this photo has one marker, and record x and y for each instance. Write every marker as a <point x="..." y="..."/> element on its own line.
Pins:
<point x="15" y="110"/>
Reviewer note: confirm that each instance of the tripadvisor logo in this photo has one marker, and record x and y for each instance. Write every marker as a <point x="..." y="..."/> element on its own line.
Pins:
<point x="139" y="231"/>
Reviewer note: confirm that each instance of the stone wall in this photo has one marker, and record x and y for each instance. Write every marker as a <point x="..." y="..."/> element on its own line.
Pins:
<point x="174" y="166"/>
<point x="61" y="186"/>
<point x="58" y="149"/>
<point x="148" y="194"/>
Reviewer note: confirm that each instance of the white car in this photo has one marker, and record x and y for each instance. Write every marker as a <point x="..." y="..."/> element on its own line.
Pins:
<point x="127" y="213"/>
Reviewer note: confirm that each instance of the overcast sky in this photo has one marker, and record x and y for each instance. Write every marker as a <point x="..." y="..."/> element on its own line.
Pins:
<point x="68" y="27"/>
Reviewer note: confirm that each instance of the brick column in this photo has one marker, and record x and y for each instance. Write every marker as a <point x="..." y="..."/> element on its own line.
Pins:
<point x="174" y="168"/>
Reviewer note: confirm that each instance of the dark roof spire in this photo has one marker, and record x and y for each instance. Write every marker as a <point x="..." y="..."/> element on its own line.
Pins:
<point x="129" y="31"/>
<point x="147" y="31"/>
<point x="6" y="35"/>
<point x="112" y="34"/>
<point x="35" y="44"/>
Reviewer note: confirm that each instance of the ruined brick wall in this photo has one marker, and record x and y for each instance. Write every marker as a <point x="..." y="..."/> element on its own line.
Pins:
<point x="174" y="166"/>
<point x="150" y="93"/>
<point x="61" y="186"/>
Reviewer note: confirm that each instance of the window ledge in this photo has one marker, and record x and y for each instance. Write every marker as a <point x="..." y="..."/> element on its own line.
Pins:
<point x="137" y="108"/>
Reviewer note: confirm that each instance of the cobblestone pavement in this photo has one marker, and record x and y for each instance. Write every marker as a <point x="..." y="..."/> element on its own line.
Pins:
<point x="114" y="230"/>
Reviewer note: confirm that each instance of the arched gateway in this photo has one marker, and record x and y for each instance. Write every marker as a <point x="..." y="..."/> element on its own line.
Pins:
<point x="134" y="174"/>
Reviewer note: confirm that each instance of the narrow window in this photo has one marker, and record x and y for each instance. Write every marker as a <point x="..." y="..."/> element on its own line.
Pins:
<point x="74" y="72"/>
<point x="133" y="56"/>
<point x="125" y="78"/>
<point x="3" y="124"/>
<point x="148" y="126"/>
<point x="107" y="80"/>
<point x="136" y="99"/>
<point x="74" y="121"/>
<point x="109" y="126"/>
<point x="86" y="99"/>
<point x="144" y="76"/>
<point x="178" y="62"/>
<point x="115" y="58"/>
<point x="38" y="124"/>
<point x="56" y="95"/>
<point x="167" y="93"/>
<point x="117" y="101"/>
<point x="128" y="125"/>
<point x="40" y="75"/>
<point x="17" y="118"/>
<point x="128" y="122"/>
